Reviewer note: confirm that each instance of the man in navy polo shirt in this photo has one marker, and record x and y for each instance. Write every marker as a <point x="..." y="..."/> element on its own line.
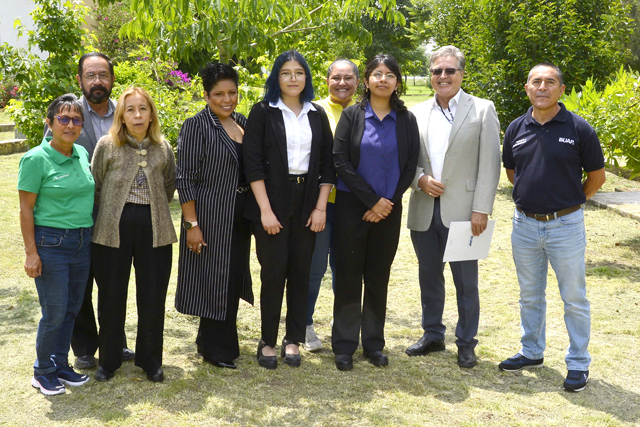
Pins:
<point x="544" y="154"/>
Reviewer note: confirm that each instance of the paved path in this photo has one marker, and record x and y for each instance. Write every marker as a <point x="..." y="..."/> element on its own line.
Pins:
<point x="626" y="203"/>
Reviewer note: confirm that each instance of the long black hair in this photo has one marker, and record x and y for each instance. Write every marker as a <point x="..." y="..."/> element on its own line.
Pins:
<point x="383" y="58"/>
<point x="272" y="85"/>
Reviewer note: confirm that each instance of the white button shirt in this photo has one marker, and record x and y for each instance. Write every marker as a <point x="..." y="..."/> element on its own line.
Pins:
<point x="299" y="136"/>
<point x="439" y="130"/>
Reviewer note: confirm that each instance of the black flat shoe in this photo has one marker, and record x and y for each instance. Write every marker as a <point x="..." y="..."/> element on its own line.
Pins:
<point x="228" y="365"/>
<point x="376" y="358"/>
<point x="128" y="354"/>
<point x="424" y="346"/>
<point x="156" y="375"/>
<point x="290" y="359"/>
<point x="103" y="374"/>
<point x="269" y="362"/>
<point x="466" y="357"/>
<point x="344" y="362"/>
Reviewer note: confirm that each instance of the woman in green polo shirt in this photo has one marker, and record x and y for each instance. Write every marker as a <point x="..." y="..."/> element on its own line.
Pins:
<point x="56" y="204"/>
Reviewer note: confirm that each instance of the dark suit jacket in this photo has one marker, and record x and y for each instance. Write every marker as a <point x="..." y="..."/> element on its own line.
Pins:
<point x="264" y="150"/>
<point x="346" y="153"/>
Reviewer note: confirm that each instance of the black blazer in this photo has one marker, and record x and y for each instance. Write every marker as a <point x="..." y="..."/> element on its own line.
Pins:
<point x="264" y="150"/>
<point x="346" y="153"/>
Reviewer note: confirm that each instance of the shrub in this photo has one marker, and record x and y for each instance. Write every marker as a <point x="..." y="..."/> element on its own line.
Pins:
<point x="109" y="18"/>
<point x="614" y="113"/>
<point x="8" y="91"/>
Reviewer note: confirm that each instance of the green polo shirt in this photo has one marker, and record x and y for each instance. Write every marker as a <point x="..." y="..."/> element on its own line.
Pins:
<point x="64" y="186"/>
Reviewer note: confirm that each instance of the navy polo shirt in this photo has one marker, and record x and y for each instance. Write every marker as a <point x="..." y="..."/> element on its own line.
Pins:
<point x="379" y="162"/>
<point x="549" y="159"/>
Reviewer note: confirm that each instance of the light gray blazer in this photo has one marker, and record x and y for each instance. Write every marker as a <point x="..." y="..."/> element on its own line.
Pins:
<point x="471" y="169"/>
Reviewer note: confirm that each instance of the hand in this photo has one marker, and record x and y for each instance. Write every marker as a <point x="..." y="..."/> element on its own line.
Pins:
<point x="317" y="220"/>
<point x="33" y="265"/>
<point x="270" y="223"/>
<point x="369" y="216"/>
<point x="478" y="223"/>
<point x="195" y="242"/>
<point x="383" y="208"/>
<point x="431" y="186"/>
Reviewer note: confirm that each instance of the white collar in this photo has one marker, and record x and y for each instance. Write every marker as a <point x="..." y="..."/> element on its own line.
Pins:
<point x="306" y="107"/>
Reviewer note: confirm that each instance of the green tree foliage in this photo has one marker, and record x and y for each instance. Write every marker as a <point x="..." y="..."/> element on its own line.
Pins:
<point x="59" y="34"/>
<point x="109" y="19"/>
<point x="614" y="112"/>
<point x="394" y="39"/>
<point x="503" y="39"/>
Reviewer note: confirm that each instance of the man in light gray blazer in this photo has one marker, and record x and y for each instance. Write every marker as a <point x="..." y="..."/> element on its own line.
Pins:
<point x="456" y="180"/>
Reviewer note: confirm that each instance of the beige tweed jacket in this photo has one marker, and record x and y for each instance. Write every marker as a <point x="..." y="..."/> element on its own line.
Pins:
<point x="114" y="169"/>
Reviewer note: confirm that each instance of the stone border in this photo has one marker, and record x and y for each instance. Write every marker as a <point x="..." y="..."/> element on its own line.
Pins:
<point x="11" y="146"/>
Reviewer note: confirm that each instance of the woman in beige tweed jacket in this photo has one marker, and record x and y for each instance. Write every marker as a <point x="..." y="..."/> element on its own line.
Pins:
<point x="134" y="171"/>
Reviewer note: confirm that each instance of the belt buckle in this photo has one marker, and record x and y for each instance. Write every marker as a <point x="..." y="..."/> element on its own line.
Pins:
<point x="300" y="179"/>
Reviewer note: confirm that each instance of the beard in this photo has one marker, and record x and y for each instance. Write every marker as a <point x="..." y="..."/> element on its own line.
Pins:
<point x="97" y="98"/>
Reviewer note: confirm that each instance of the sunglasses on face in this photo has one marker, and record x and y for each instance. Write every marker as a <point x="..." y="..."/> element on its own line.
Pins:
<point x="64" y="120"/>
<point x="447" y="71"/>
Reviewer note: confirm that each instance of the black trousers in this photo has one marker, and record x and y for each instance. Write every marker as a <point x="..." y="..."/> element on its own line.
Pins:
<point x="84" y="340"/>
<point x="364" y="250"/>
<point x="429" y="246"/>
<point x="112" y="269"/>
<point x="285" y="257"/>
<point x="217" y="340"/>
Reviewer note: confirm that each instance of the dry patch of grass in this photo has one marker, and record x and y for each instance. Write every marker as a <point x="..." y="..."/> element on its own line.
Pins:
<point x="420" y="391"/>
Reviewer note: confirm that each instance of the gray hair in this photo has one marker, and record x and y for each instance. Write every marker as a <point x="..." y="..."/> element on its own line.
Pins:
<point x="68" y="101"/>
<point x="445" y="51"/>
<point x="346" y="61"/>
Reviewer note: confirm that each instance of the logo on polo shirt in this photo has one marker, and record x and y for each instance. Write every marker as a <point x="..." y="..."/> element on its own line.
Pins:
<point x="519" y="142"/>
<point x="60" y="176"/>
<point x="566" y="141"/>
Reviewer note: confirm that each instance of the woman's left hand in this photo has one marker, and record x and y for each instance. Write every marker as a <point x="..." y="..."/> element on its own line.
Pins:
<point x="195" y="241"/>
<point x="317" y="220"/>
<point x="370" y="216"/>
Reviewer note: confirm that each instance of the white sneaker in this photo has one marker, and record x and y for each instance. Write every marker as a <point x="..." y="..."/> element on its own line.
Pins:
<point x="311" y="341"/>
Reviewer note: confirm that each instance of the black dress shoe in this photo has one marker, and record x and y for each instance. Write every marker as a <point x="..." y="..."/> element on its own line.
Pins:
<point x="424" y="346"/>
<point x="344" y="362"/>
<point x="290" y="359"/>
<point x="86" y="362"/>
<point x="269" y="362"/>
<point x="155" y="375"/>
<point x="127" y="354"/>
<point x="466" y="357"/>
<point x="376" y="358"/>
<point x="103" y="374"/>
<point x="228" y="365"/>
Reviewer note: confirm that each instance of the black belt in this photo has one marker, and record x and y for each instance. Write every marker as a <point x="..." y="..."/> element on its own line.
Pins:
<point x="551" y="216"/>
<point x="298" y="179"/>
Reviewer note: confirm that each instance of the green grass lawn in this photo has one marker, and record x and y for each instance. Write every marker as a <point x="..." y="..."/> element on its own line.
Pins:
<point x="430" y="390"/>
<point x="4" y="117"/>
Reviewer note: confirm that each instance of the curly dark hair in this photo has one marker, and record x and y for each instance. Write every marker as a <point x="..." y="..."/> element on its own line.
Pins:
<point x="214" y="72"/>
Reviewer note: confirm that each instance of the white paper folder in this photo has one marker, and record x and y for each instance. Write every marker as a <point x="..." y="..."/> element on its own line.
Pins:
<point x="462" y="245"/>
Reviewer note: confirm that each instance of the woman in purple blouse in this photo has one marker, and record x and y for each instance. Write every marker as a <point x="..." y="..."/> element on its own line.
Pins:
<point x="375" y="153"/>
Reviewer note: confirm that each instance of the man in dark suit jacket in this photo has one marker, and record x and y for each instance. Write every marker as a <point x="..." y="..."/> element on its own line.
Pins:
<point x="95" y="77"/>
<point x="456" y="180"/>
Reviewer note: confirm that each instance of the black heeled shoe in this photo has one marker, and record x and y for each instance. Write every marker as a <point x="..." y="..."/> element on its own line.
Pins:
<point x="155" y="375"/>
<point x="269" y="362"/>
<point x="290" y="359"/>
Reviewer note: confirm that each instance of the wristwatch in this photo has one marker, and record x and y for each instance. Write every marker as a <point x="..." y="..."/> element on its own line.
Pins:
<point x="188" y="225"/>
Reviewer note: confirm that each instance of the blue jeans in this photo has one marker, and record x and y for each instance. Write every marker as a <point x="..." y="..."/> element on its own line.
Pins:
<point x="65" y="257"/>
<point x="562" y="243"/>
<point x="324" y="247"/>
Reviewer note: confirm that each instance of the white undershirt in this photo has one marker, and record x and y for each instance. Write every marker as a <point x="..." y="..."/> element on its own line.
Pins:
<point x="299" y="136"/>
<point x="439" y="130"/>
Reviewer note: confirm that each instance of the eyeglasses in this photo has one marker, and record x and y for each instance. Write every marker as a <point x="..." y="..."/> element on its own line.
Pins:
<point x="389" y="76"/>
<point x="64" y="120"/>
<point x="447" y="71"/>
<point x="286" y="76"/>
<point x="90" y="77"/>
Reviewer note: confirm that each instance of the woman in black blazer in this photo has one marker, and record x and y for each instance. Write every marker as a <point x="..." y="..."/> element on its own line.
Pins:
<point x="287" y="152"/>
<point x="375" y="150"/>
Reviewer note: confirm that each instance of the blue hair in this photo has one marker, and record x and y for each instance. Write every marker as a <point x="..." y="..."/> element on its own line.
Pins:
<point x="272" y="85"/>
